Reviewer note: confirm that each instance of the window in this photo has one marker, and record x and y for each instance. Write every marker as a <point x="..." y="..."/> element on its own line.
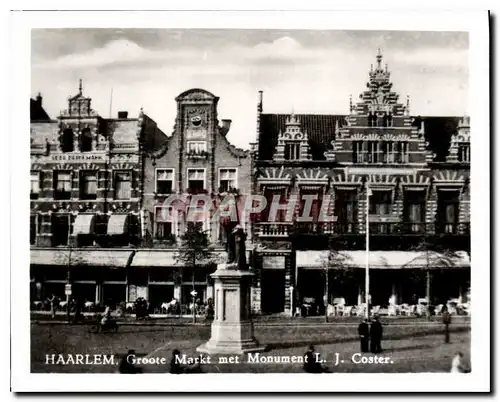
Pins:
<point x="60" y="225"/>
<point x="358" y="155"/>
<point x="164" y="181"/>
<point x="88" y="185"/>
<point x="372" y="154"/>
<point x="227" y="179"/>
<point x="165" y="223"/>
<point x="35" y="185"/>
<point x="414" y="211"/>
<point x="380" y="203"/>
<point x="346" y="210"/>
<point x="464" y="153"/>
<point x="292" y="151"/>
<point x="86" y="140"/>
<point x="62" y="186"/>
<point x="402" y="156"/>
<point x="35" y="222"/>
<point x="196" y="147"/>
<point x="315" y="210"/>
<point x="123" y="185"/>
<point x="196" y="180"/>
<point x="67" y="144"/>
<point x="447" y="211"/>
<point x="389" y="152"/>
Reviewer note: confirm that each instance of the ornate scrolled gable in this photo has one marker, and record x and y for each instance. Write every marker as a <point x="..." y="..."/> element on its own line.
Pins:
<point x="293" y="134"/>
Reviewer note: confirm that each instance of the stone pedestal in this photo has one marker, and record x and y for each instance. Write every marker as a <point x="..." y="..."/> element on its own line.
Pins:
<point x="232" y="328"/>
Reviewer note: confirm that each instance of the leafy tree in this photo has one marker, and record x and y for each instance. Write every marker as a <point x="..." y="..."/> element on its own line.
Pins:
<point x="194" y="249"/>
<point x="336" y="266"/>
<point x="433" y="254"/>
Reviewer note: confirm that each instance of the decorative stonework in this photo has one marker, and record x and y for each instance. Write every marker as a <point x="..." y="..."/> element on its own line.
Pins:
<point x="460" y="138"/>
<point x="274" y="176"/>
<point x="379" y="118"/>
<point x="293" y="135"/>
<point x="312" y="177"/>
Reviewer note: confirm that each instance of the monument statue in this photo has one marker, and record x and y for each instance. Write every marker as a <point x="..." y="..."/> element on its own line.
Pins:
<point x="236" y="248"/>
<point x="240" y="255"/>
<point x="232" y="329"/>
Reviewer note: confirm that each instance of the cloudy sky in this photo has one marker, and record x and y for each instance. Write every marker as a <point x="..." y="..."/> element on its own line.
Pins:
<point x="305" y="71"/>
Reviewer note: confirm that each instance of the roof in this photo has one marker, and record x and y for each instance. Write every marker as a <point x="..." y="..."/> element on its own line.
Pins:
<point x="37" y="112"/>
<point x="321" y="131"/>
<point x="438" y="132"/>
<point x="319" y="127"/>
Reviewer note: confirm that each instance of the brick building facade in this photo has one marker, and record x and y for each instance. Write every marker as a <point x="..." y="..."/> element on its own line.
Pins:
<point x="417" y="169"/>
<point x="197" y="159"/>
<point x="87" y="180"/>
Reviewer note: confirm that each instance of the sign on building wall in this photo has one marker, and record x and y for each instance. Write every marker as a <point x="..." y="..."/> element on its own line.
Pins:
<point x="77" y="158"/>
<point x="273" y="262"/>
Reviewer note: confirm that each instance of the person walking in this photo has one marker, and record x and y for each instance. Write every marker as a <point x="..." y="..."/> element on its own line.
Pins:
<point x="364" y="335"/>
<point x="376" y="336"/>
<point x="446" y="322"/>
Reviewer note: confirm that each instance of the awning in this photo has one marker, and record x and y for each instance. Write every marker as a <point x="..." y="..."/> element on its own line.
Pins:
<point x="384" y="259"/>
<point x="65" y="257"/>
<point x="117" y="224"/>
<point x="84" y="224"/>
<point x="162" y="258"/>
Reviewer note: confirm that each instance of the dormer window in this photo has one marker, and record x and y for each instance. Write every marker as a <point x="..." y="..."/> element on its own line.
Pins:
<point x="67" y="141"/>
<point x="292" y="151"/>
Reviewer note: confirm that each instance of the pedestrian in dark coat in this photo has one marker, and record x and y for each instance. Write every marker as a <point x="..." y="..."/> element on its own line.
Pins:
<point x="364" y="335"/>
<point x="446" y="322"/>
<point x="376" y="336"/>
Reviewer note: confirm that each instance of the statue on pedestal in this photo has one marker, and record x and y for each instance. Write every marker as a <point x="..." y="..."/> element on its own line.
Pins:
<point x="236" y="248"/>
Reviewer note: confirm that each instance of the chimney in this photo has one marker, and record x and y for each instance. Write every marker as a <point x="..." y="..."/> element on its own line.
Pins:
<point x="226" y="126"/>
<point x="259" y="105"/>
<point x="122" y="114"/>
<point x="39" y="99"/>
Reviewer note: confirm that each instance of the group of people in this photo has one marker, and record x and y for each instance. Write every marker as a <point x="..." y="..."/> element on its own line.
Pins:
<point x="370" y="335"/>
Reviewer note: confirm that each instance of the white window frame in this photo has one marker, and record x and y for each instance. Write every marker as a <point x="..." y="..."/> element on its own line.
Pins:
<point x="174" y="221"/>
<point x="115" y="173"/>
<point x="236" y="183"/>
<point x="204" y="176"/>
<point x="463" y="154"/>
<point x="190" y="142"/>
<point x="293" y="150"/>
<point x="37" y="174"/>
<point x="156" y="178"/>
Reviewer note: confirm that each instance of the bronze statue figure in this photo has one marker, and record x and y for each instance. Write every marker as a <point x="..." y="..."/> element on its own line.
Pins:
<point x="240" y="256"/>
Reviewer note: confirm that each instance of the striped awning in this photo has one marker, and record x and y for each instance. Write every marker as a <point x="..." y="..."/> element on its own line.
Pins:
<point x="117" y="224"/>
<point x="383" y="259"/>
<point x="106" y="258"/>
<point x="162" y="258"/>
<point x="84" y="224"/>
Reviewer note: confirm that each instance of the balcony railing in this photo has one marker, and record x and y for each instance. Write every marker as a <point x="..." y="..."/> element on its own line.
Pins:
<point x="325" y="228"/>
<point x="452" y="228"/>
<point x="275" y="229"/>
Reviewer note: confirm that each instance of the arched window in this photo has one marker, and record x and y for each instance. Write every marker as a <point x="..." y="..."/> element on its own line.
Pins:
<point x="86" y="140"/>
<point x="67" y="144"/>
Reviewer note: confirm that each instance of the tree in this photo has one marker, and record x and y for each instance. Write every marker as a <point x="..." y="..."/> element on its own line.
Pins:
<point x="432" y="253"/>
<point x="70" y="258"/>
<point x="194" y="249"/>
<point x="337" y="263"/>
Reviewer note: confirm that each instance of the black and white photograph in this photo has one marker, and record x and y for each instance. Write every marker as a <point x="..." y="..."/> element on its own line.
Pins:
<point x="238" y="200"/>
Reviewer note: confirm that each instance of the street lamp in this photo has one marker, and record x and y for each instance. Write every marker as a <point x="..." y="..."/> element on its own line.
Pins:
<point x="367" y="268"/>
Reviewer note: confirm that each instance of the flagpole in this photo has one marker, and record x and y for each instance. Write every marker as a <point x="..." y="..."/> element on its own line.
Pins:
<point x="367" y="268"/>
